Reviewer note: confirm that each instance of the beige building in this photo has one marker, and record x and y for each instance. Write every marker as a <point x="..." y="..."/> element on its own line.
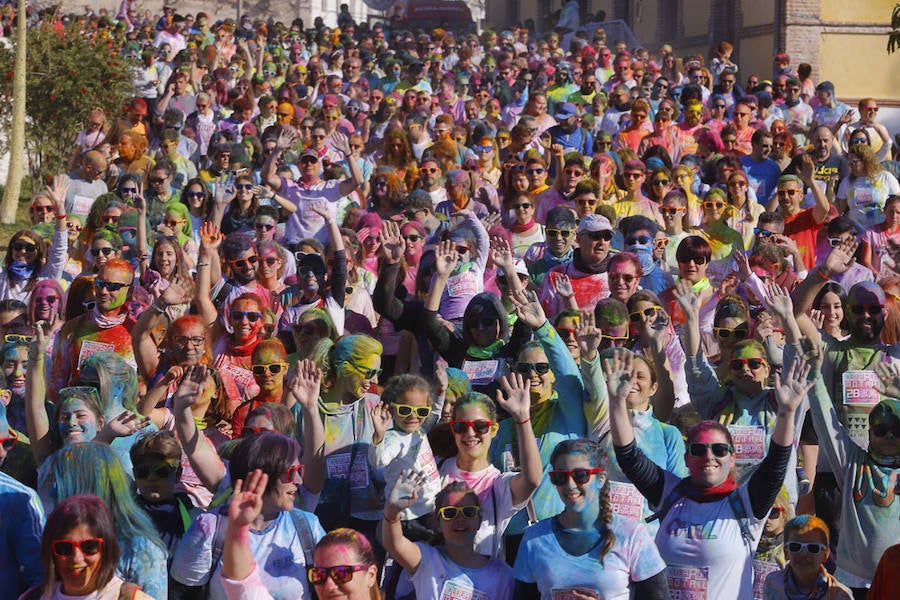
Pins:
<point x="844" y="41"/>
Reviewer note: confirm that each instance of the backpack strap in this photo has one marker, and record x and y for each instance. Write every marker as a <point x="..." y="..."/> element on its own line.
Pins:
<point x="32" y="593"/>
<point x="184" y="511"/>
<point x="128" y="591"/>
<point x="218" y="542"/>
<point x="670" y="500"/>
<point x="305" y="535"/>
<point x="740" y="513"/>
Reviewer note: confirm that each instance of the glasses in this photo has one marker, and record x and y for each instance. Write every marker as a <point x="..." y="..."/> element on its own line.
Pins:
<point x="525" y="368"/>
<point x="697" y="260"/>
<point x="242" y="263"/>
<point x="244" y="186"/>
<point x="308" y="160"/>
<point x="157" y="180"/>
<point x="431" y="170"/>
<point x="272" y="369"/>
<point x="413" y="238"/>
<point x="195" y="194"/>
<point x="112" y="286"/>
<point x="719" y="105"/>
<point x="24" y="247"/>
<point x="66" y="548"/>
<point x="633" y="175"/>
<point x="367" y="372"/>
<point x="448" y="513"/>
<point x="871" y="309"/>
<point x="340" y="574"/>
<point x="173" y="223"/>
<point x="8" y="442"/>
<point x="860" y="141"/>
<point x="247" y="431"/>
<point x="183" y="341"/>
<point x="405" y="410"/>
<point x="871" y="108"/>
<point x="573" y="172"/>
<point x="738" y="183"/>
<point x="462" y="249"/>
<point x="882" y="429"/>
<point x="163" y="472"/>
<point x="110" y="219"/>
<point x="17" y="338"/>
<point x="661" y="182"/>
<point x="740" y="332"/>
<point x="264" y="226"/>
<point x="74" y="227"/>
<point x="483" y="149"/>
<point x="763" y="233"/>
<point x="811" y="547"/>
<point x="670" y="211"/>
<point x="536" y="171"/>
<point x="291" y="474"/>
<point x="647" y="313"/>
<point x="599" y="236"/>
<point x="479" y="426"/>
<point x="719" y="449"/>
<point x="42" y="208"/>
<point x="238" y="315"/>
<point x="560" y="233"/>
<point x="640" y="239"/>
<point x="626" y="277"/>
<point x="579" y="476"/>
<point x="738" y="364"/>
<point x="789" y="193"/>
<point x="776" y="512"/>
<point x="714" y="204"/>
<point x="614" y="340"/>
<point x="522" y="205"/>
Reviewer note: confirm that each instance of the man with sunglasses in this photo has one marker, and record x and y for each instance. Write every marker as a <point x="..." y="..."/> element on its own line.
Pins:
<point x="802" y="225"/>
<point x="879" y="136"/>
<point x="635" y="201"/>
<point x="22" y="523"/>
<point x="762" y="172"/>
<point x="310" y="192"/>
<point x="107" y="328"/>
<point x="586" y="271"/>
<point x="86" y="184"/>
<point x="430" y="179"/>
<point x="557" y="249"/>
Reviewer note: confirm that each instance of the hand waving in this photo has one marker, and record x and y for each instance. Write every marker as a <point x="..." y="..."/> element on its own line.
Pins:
<point x="392" y="243"/>
<point x="589" y="335"/>
<point x="190" y="390"/>
<point x="563" y="286"/>
<point x="528" y="309"/>
<point x="304" y="385"/>
<point x="780" y="302"/>
<point x="404" y="493"/>
<point x="790" y="388"/>
<point x="619" y="371"/>
<point x="210" y="236"/>
<point x="446" y="258"/>
<point x="688" y="299"/>
<point x="247" y="499"/>
<point x="515" y="397"/>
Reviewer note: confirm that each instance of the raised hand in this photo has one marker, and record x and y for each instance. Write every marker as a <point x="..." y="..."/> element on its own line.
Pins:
<point x="304" y="384"/>
<point x="528" y="309"/>
<point x="588" y="334"/>
<point x="191" y="388"/>
<point x="742" y="260"/>
<point x="341" y="143"/>
<point x="563" y="286"/>
<point x="780" y="302"/>
<point x="286" y="138"/>
<point x="817" y="317"/>
<point x="174" y="294"/>
<point x="619" y="371"/>
<point x="210" y="236"/>
<point x="790" y="388"/>
<point x="441" y="380"/>
<point x="888" y="379"/>
<point x="58" y="191"/>
<point x="501" y="255"/>
<point x="124" y="424"/>
<point x="841" y="257"/>
<point x="515" y="397"/>
<point x="224" y="192"/>
<point x="765" y="326"/>
<point x="175" y="373"/>
<point x="404" y="493"/>
<point x="446" y="258"/>
<point x="43" y="333"/>
<point x="688" y="299"/>
<point x="381" y="419"/>
<point x="656" y="331"/>
<point x="247" y="499"/>
<point x="392" y="243"/>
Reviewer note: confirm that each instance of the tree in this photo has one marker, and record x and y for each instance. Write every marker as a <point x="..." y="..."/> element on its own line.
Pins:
<point x="894" y="35"/>
<point x="17" y="124"/>
<point x="67" y="76"/>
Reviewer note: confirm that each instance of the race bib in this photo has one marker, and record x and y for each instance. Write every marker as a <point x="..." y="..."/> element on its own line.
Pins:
<point x="481" y="371"/>
<point x="864" y="198"/>
<point x="463" y="284"/>
<point x="626" y="500"/>
<point x="89" y="347"/>
<point x="455" y="590"/>
<point x="749" y="443"/>
<point x="338" y="466"/>
<point x="238" y="382"/>
<point x="426" y="462"/>
<point x="859" y="388"/>
<point x="81" y="205"/>
<point x="509" y="459"/>
<point x="761" y="570"/>
<point x="687" y="583"/>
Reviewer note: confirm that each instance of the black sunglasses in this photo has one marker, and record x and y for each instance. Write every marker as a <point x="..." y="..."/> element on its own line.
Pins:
<point x="719" y="450"/>
<point x="164" y="472"/>
<point x="579" y="476"/>
<point x="525" y="368"/>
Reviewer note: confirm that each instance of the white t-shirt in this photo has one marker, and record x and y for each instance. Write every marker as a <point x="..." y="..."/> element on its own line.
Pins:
<point x="495" y="498"/>
<point x="703" y="546"/>
<point x="305" y="222"/>
<point x="439" y="578"/>
<point x="398" y="451"/>
<point x="865" y="200"/>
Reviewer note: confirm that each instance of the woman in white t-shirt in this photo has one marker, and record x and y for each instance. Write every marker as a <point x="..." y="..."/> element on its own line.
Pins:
<point x="587" y="548"/>
<point x="455" y="569"/>
<point x="862" y="195"/>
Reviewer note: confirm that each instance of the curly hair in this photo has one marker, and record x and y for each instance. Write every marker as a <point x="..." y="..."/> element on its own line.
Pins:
<point x="871" y="166"/>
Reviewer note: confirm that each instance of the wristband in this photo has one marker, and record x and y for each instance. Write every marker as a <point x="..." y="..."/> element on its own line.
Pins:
<point x="821" y="273"/>
<point x="200" y="264"/>
<point x="386" y="520"/>
<point x="61" y="217"/>
<point x="523" y="422"/>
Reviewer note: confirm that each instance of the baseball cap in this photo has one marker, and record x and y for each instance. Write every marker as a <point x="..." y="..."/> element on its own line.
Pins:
<point x="564" y="111"/>
<point x="594" y="223"/>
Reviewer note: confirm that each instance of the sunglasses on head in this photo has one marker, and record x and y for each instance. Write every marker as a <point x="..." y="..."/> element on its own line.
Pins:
<point x="272" y="369"/>
<point x="340" y="574"/>
<point x="811" y="547"/>
<point x="238" y="315"/>
<point x="89" y="547"/>
<point x="162" y="472"/>
<point x="872" y="309"/>
<point x="24" y="247"/>
<point x="525" y="368"/>
<point x="740" y="332"/>
<point x="882" y="429"/>
<point x="7" y="443"/>
<point x="448" y="513"/>
<point x="112" y="286"/>
<point x="737" y="364"/>
<point x="579" y="476"/>
<point x="479" y="426"/>
<point x="242" y="263"/>
<point x="719" y="449"/>
<point x="405" y="410"/>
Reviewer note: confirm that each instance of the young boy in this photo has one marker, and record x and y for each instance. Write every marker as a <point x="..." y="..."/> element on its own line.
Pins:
<point x="806" y="545"/>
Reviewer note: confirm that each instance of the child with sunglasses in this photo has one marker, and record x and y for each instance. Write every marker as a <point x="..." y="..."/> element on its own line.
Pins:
<point x="587" y="551"/>
<point x="459" y="565"/>
<point x="709" y="524"/>
<point x="807" y="548"/>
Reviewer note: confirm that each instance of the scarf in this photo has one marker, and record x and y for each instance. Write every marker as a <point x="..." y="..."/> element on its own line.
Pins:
<point x="21" y="271"/>
<point x="700" y="286"/>
<point x="771" y="549"/>
<point x="487" y="352"/>
<point x="517" y="228"/>
<point x="818" y="591"/>
<point x="593" y="268"/>
<point x="242" y="349"/>
<point x="711" y="494"/>
<point x="551" y="261"/>
<point x="462" y="268"/>
<point x="108" y="321"/>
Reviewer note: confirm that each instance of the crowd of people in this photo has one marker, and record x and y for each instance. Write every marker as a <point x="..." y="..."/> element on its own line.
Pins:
<point x="361" y="312"/>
